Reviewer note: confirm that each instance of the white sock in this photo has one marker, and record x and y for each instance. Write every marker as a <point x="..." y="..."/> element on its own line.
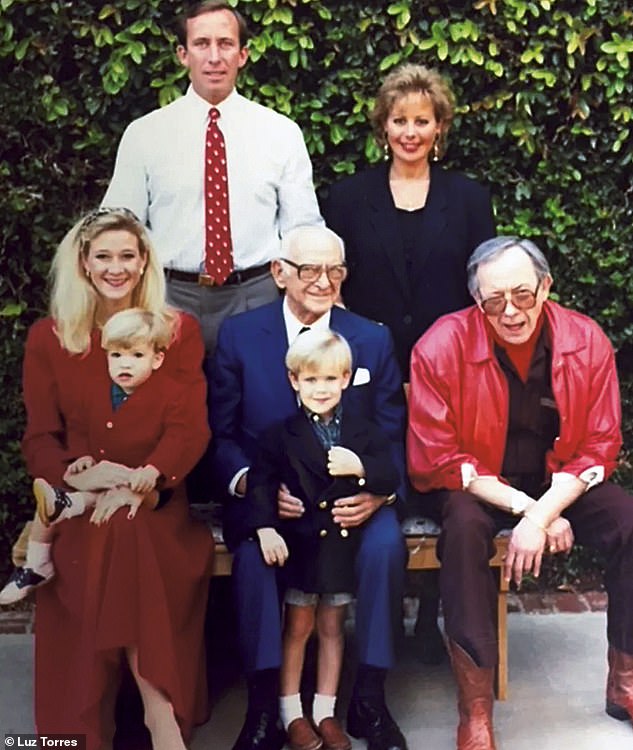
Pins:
<point x="323" y="707"/>
<point x="38" y="557"/>
<point x="290" y="709"/>
<point x="77" y="508"/>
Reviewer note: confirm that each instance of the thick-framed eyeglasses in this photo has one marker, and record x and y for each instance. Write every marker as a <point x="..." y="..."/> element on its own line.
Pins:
<point x="312" y="271"/>
<point x="522" y="299"/>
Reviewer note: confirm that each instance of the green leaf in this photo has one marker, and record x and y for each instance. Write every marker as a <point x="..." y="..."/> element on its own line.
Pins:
<point x="21" y="49"/>
<point x="389" y="61"/>
<point x="475" y="56"/>
<point x="337" y="134"/>
<point x="12" y="309"/>
<point x="403" y="19"/>
<point x="106" y="12"/>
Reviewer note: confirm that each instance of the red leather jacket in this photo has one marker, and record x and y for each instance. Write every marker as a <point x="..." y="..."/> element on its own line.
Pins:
<point x="458" y="399"/>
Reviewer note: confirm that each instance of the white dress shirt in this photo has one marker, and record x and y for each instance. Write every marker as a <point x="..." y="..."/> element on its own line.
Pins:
<point x="294" y="325"/>
<point x="159" y="174"/>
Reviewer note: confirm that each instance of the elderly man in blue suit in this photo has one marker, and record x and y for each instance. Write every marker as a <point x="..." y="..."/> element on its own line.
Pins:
<point x="249" y="391"/>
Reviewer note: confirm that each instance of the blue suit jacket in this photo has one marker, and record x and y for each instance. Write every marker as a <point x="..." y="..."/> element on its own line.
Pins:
<point x="250" y="390"/>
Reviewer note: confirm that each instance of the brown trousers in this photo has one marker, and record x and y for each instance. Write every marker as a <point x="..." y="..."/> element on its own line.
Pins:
<point x="601" y="519"/>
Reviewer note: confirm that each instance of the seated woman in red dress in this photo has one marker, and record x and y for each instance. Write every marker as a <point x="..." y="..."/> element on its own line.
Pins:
<point x="132" y="589"/>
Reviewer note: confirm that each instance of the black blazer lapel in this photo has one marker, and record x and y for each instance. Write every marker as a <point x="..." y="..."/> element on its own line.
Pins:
<point x="383" y="217"/>
<point x="352" y="434"/>
<point x="305" y="453"/>
<point x="434" y="217"/>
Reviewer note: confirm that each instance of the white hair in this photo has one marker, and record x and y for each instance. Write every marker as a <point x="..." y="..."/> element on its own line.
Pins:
<point x="298" y="237"/>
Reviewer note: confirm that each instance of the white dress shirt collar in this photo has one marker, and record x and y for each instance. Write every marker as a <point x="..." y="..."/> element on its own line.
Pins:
<point x="203" y="106"/>
<point x="294" y="325"/>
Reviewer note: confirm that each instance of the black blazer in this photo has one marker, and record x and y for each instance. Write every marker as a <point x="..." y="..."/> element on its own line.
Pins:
<point x="456" y="218"/>
<point x="321" y="554"/>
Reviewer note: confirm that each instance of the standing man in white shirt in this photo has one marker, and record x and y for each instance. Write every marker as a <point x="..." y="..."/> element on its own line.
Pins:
<point x="166" y="173"/>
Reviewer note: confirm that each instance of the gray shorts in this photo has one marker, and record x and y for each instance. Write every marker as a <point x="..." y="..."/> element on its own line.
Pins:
<point x="303" y="599"/>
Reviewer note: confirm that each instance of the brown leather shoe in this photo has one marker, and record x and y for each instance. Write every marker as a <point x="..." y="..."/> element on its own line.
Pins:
<point x="301" y="735"/>
<point x="475" y="700"/>
<point x="620" y="685"/>
<point x="333" y="736"/>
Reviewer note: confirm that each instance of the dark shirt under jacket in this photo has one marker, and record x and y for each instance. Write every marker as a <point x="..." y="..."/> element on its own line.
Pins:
<point x="321" y="554"/>
<point x="382" y="285"/>
<point x="117" y="396"/>
<point x="533" y="420"/>
<point x="328" y="433"/>
<point x="411" y="225"/>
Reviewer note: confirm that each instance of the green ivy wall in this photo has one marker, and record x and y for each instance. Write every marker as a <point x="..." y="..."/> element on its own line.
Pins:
<point x="545" y="96"/>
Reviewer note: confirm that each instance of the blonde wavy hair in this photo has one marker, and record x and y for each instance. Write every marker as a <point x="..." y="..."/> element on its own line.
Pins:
<point x="314" y="349"/>
<point x="129" y="328"/>
<point x="411" y="79"/>
<point x="74" y="300"/>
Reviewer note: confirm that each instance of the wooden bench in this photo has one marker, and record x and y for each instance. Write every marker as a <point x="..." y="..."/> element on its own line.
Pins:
<point x="422" y="557"/>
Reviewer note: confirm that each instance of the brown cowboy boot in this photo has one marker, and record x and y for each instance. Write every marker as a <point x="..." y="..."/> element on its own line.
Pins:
<point x="475" y="700"/>
<point x="620" y="685"/>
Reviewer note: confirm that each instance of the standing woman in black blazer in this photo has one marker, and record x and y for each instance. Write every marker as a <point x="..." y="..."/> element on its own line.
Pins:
<point x="408" y="224"/>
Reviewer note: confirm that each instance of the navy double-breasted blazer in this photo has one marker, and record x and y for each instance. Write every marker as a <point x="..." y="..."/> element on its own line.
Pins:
<point x="456" y="218"/>
<point x="321" y="554"/>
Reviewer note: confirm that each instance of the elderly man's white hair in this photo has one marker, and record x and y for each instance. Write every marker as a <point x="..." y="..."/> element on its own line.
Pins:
<point x="296" y="238"/>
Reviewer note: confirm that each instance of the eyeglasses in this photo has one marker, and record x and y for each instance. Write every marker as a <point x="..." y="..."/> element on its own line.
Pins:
<point x="522" y="299"/>
<point x="311" y="271"/>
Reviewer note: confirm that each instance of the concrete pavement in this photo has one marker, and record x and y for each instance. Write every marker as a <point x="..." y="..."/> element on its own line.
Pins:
<point x="556" y="692"/>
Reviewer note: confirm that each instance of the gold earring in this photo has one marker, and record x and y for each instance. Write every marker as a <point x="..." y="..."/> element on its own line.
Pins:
<point x="386" y="151"/>
<point x="436" y="150"/>
<point x="87" y="272"/>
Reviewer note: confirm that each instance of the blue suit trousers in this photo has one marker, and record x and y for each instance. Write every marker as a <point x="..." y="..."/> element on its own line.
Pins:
<point x="380" y="572"/>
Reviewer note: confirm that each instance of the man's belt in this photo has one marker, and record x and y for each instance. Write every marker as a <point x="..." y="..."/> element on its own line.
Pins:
<point x="203" y="279"/>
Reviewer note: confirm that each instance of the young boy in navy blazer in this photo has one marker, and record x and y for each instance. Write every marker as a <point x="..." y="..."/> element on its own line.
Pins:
<point x="321" y="454"/>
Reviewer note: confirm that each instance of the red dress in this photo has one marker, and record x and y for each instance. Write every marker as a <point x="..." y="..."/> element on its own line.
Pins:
<point x="127" y="583"/>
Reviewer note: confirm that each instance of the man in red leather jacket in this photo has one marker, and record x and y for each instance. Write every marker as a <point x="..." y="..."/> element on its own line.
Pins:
<point x="514" y="420"/>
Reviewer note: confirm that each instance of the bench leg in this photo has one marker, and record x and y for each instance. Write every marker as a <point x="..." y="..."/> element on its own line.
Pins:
<point x="501" y="677"/>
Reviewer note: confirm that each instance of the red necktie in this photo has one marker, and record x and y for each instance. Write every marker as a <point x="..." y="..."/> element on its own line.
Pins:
<point x="218" y="256"/>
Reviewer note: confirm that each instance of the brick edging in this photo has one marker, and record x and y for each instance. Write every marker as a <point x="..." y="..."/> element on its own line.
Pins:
<point x="16" y="621"/>
<point x="528" y="602"/>
<point x="563" y="602"/>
